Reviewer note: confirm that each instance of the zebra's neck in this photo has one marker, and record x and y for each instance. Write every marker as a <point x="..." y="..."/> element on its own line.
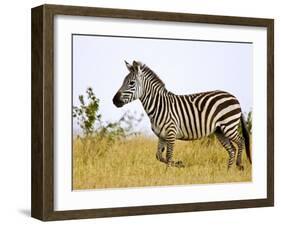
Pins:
<point x="154" y="94"/>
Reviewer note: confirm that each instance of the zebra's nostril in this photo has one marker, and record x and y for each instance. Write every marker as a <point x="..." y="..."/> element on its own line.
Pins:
<point x="116" y="97"/>
<point x="117" y="100"/>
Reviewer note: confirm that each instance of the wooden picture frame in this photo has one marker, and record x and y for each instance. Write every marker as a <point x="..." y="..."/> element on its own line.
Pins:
<point x="42" y="203"/>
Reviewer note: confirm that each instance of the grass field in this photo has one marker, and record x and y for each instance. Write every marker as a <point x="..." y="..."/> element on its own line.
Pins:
<point x="132" y="163"/>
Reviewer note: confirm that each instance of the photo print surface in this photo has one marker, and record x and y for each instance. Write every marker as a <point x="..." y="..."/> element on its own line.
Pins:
<point x="160" y="112"/>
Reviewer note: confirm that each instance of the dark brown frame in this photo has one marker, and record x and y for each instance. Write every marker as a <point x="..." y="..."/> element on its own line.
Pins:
<point x="42" y="197"/>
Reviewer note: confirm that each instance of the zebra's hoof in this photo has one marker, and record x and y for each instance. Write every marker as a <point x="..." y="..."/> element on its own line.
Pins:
<point x="241" y="168"/>
<point x="179" y="164"/>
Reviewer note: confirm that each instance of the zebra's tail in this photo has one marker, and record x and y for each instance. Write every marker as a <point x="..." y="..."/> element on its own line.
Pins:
<point x="246" y="138"/>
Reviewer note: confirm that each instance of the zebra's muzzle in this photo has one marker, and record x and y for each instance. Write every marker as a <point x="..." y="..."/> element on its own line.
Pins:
<point x="117" y="100"/>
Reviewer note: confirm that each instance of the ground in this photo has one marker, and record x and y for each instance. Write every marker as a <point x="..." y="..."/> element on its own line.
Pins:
<point x="100" y="163"/>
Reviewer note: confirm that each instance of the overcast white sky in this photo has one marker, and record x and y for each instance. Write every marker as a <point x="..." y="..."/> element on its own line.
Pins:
<point x="184" y="66"/>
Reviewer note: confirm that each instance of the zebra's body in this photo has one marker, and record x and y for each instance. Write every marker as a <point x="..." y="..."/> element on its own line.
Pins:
<point x="191" y="122"/>
<point x="183" y="117"/>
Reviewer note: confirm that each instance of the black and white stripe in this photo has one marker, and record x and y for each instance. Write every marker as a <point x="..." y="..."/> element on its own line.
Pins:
<point x="184" y="117"/>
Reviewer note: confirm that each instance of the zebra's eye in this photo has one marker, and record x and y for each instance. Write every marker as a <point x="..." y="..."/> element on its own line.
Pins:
<point x="132" y="83"/>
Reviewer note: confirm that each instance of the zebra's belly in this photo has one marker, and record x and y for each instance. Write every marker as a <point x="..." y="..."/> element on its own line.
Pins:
<point x="182" y="134"/>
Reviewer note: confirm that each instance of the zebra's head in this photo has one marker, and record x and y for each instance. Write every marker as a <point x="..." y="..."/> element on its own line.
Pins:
<point x="131" y="88"/>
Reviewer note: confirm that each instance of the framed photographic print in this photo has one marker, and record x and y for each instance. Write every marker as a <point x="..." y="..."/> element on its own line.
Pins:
<point x="141" y="112"/>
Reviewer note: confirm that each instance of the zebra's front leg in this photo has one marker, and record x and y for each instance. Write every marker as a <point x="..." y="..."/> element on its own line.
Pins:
<point x="169" y="156"/>
<point x="160" y="150"/>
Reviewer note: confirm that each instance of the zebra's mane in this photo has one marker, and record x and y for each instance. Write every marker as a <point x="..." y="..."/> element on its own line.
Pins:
<point x="149" y="73"/>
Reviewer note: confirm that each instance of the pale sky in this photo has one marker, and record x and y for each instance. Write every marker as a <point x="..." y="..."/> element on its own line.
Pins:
<point x="184" y="66"/>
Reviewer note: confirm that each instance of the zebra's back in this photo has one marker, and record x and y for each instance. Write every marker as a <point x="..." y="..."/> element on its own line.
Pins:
<point x="198" y="115"/>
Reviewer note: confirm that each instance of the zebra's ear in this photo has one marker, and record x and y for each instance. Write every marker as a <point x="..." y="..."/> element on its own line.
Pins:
<point x="136" y="66"/>
<point x="129" y="66"/>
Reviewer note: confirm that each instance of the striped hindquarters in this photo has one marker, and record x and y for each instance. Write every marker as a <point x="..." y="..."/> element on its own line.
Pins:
<point x="199" y="115"/>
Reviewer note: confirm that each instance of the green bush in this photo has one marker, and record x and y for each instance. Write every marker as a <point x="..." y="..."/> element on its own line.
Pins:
<point x="90" y="120"/>
<point x="249" y="121"/>
<point x="87" y="113"/>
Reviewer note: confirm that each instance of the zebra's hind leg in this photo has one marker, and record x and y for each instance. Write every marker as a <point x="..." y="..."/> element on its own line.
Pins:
<point x="239" y="141"/>
<point x="226" y="143"/>
<point x="169" y="156"/>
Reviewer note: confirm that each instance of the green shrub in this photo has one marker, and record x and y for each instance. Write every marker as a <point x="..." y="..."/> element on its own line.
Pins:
<point x="90" y="120"/>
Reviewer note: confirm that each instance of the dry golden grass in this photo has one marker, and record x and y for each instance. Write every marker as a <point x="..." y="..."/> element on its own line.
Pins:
<point x="132" y="163"/>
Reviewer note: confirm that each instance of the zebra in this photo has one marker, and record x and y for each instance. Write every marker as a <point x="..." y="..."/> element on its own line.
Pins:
<point x="185" y="117"/>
